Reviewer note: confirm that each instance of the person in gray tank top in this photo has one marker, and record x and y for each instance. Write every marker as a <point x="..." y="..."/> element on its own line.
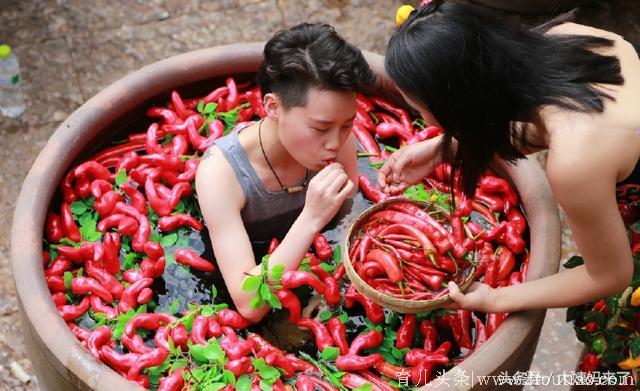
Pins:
<point x="286" y="175"/>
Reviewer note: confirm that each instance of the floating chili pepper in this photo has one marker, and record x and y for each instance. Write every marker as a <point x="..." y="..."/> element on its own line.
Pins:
<point x="53" y="228"/>
<point x="169" y="223"/>
<point x="153" y="268"/>
<point x="292" y="279"/>
<point x="291" y="302"/>
<point x="84" y="285"/>
<point x="357" y="363"/>
<point x="98" y="306"/>
<point x="172" y="382"/>
<point x="130" y="294"/>
<point x="320" y="331"/>
<point x="99" y="337"/>
<point x="367" y="340"/>
<point x="279" y="360"/>
<point x="273" y="244"/>
<point x="147" y="360"/>
<point x="231" y="318"/>
<point x="71" y="312"/>
<point x="78" y="331"/>
<point x="189" y="258"/>
<point x="339" y="334"/>
<point x="373" y="311"/>
<point x="233" y="346"/>
<point x="69" y="227"/>
<point x="199" y="329"/>
<point x="322" y="247"/>
<point x="404" y="336"/>
<point x="589" y="363"/>
<point x="239" y="366"/>
<point x="388" y="262"/>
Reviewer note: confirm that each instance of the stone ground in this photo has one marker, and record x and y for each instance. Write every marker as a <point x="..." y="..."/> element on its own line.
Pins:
<point x="72" y="49"/>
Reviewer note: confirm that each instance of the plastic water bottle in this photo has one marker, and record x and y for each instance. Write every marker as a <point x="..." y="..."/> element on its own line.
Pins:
<point x="11" y="98"/>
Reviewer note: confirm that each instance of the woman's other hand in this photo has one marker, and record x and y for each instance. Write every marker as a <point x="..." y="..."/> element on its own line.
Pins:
<point x="407" y="166"/>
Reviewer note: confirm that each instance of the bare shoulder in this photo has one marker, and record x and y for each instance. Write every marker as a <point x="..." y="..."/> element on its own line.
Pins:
<point x="570" y="28"/>
<point x="216" y="181"/>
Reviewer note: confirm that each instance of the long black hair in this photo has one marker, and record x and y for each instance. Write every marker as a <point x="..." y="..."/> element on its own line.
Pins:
<point x="311" y="55"/>
<point x="479" y="74"/>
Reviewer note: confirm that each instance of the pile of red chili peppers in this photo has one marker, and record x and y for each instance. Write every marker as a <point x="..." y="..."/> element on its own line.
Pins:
<point x="115" y="203"/>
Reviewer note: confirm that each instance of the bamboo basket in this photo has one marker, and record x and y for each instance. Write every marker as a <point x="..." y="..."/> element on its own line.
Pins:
<point x="394" y="303"/>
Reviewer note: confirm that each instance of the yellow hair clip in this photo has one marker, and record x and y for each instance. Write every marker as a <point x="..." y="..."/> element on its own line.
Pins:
<point x="403" y="13"/>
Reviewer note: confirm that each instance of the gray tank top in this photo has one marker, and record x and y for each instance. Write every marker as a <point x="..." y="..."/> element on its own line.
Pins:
<point x="266" y="214"/>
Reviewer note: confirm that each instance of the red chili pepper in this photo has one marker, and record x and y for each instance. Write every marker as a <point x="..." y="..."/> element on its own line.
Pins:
<point x="322" y="247"/>
<point x="589" y="363"/>
<point x="172" y="382"/>
<point x="146" y="360"/>
<point x="85" y="285"/>
<point x="425" y="134"/>
<point x="430" y="334"/>
<point x="98" y="306"/>
<point x="189" y="258"/>
<point x="169" y="223"/>
<point x="130" y="294"/>
<point x="111" y="248"/>
<point x="370" y="191"/>
<point x="373" y="311"/>
<point x="305" y="383"/>
<point x="273" y="244"/>
<point x="320" y="331"/>
<point x="291" y="302"/>
<point x="180" y="335"/>
<point x="292" y="279"/>
<point x="56" y="284"/>
<point x="153" y="268"/>
<point x="255" y="101"/>
<point x="53" y="228"/>
<point x="231" y="318"/>
<point x="233" y="346"/>
<point x="398" y="112"/>
<point x="117" y="361"/>
<point x="239" y="366"/>
<point x="66" y="187"/>
<point x="135" y="197"/>
<point x="339" y="272"/>
<point x="424" y="241"/>
<point x="481" y="333"/>
<point x="357" y="363"/>
<point x="59" y="299"/>
<point x="70" y="312"/>
<point x="601" y="306"/>
<point x="513" y="240"/>
<point x="505" y="263"/>
<point x="404" y="336"/>
<point x="168" y="116"/>
<point x="495" y="185"/>
<point x="591" y="327"/>
<point x="493" y="322"/>
<point x="390" y="129"/>
<point x="332" y="294"/>
<point x="418" y="356"/>
<point x="368" y="340"/>
<point x="199" y="329"/>
<point x="58" y="267"/>
<point x="339" y="334"/>
<point x="69" y="227"/>
<point x="365" y="139"/>
<point x="277" y="359"/>
<point x="99" y="337"/>
<point x="144" y="296"/>
<point x="388" y="262"/>
<point x="517" y="220"/>
<point x="461" y="336"/>
<point x="79" y="332"/>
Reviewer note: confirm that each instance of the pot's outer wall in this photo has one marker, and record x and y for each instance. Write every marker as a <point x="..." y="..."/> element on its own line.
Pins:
<point x="62" y="363"/>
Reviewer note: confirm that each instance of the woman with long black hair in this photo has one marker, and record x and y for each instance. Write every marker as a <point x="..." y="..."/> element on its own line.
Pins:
<point x="502" y="91"/>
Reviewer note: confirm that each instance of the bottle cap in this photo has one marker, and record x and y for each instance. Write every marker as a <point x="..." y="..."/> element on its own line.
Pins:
<point x="5" y="51"/>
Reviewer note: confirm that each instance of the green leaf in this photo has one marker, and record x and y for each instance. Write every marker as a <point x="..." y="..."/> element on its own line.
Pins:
<point x="214" y="292"/>
<point x="344" y="317"/>
<point x="256" y="302"/>
<point x="78" y="207"/>
<point x="200" y="106"/>
<point x="206" y="310"/>
<point x="243" y="383"/>
<point x="265" y="385"/>
<point x="397" y="353"/>
<point x="634" y="346"/>
<point x="68" y="276"/>
<point x="364" y="387"/>
<point x="251" y="283"/>
<point x="611" y="356"/>
<point x="274" y="302"/>
<point x="169" y="240"/>
<point x="173" y="308"/>
<point x="573" y="262"/>
<point x="229" y="377"/>
<point x="129" y="260"/>
<point x="325" y="316"/>
<point x="330" y="353"/>
<point x="210" y="108"/>
<point x="268" y="372"/>
<point x="265" y="292"/>
<point x="337" y="254"/>
<point x="121" y="177"/>
<point x="258" y="363"/>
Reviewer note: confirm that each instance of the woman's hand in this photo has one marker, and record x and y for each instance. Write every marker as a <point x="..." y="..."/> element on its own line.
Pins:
<point x="407" y="166"/>
<point x="478" y="298"/>
<point x="326" y="193"/>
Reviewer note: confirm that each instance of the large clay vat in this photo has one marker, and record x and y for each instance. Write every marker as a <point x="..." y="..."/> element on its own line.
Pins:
<point x="62" y="363"/>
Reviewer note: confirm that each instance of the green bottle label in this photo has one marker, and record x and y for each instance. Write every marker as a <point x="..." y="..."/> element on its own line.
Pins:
<point x="15" y="79"/>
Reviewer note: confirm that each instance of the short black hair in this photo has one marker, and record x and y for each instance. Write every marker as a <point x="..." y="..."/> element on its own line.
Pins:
<point x="311" y="55"/>
<point x="479" y="74"/>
